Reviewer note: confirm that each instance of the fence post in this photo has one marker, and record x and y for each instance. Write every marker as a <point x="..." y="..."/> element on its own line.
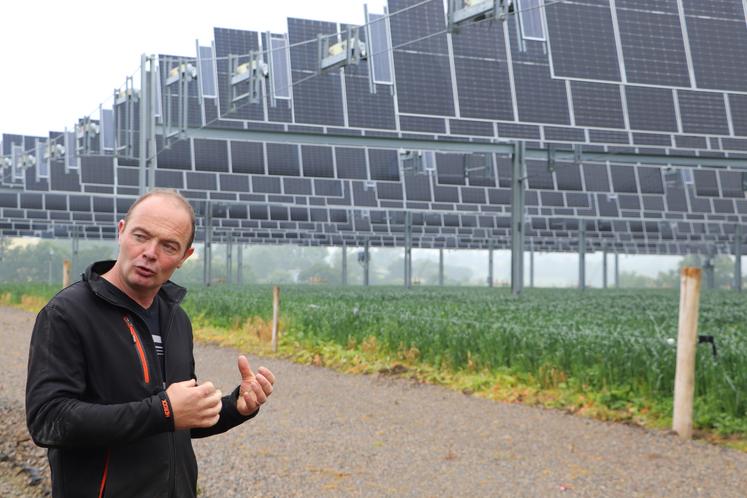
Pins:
<point x="684" y="380"/>
<point x="275" y="317"/>
<point x="66" y="267"/>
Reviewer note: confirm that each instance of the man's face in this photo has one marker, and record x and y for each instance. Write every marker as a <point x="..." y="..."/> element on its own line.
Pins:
<point x="153" y="244"/>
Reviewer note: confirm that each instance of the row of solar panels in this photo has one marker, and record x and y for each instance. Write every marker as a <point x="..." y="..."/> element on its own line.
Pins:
<point x="607" y="73"/>
<point x="389" y="179"/>
<point x="564" y="239"/>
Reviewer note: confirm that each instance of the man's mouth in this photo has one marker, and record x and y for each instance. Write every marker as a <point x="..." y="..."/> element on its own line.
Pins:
<point x="145" y="272"/>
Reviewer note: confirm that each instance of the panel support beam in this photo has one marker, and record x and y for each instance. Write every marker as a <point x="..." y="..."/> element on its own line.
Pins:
<point x="582" y="255"/>
<point x="490" y="263"/>
<point x="441" y="267"/>
<point x="344" y="264"/>
<point x="239" y="264"/>
<point x="229" y="258"/>
<point x="366" y="264"/>
<point x="518" y="189"/>
<point x="505" y="148"/>
<point x="604" y="269"/>
<point x="617" y="270"/>
<point x="408" y="249"/>
<point x="147" y="146"/>
<point x="531" y="267"/>
<point x="75" y="248"/>
<point x="207" y="276"/>
<point x="738" y="259"/>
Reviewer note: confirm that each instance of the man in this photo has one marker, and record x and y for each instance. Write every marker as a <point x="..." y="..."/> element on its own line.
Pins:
<point x="111" y="387"/>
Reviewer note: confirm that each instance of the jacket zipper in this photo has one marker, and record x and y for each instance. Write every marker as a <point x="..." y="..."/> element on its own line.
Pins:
<point x="139" y="347"/>
<point x="104" y="475"/>
<point x="172" y="444"/>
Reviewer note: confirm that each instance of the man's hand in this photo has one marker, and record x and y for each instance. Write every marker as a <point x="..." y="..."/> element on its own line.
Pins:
<point x="194" y="406"/>
<point x="254" y="389"/>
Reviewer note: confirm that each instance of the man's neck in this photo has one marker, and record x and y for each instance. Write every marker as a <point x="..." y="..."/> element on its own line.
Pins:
<point x="144" y="300"/>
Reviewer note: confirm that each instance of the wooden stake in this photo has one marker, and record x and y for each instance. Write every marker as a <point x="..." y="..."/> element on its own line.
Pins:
<point x="66" y="267"/>
<point x="275" y="317"/>
<point x="687" y="335"/>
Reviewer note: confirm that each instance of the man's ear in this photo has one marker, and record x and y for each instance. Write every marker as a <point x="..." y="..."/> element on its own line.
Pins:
<point x="120" y="228"/>
<point x="187" y="254"/>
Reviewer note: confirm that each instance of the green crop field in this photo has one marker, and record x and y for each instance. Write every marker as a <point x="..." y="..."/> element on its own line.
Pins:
<point x="617" y="344"/>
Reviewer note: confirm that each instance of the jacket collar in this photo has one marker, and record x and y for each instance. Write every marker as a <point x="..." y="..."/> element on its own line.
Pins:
<point x="169" y="291"/>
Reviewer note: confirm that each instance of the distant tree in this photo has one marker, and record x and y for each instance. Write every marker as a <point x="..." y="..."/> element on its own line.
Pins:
<point x="319" y="273"/>
<point x="631" y="279"/>
<point x="355" y="269"/>
<point x="723" y="271"/>
<point x="31" y="262"/>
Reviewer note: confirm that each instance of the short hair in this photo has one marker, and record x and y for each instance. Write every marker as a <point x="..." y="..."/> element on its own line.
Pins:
<point x="172" y="194"/>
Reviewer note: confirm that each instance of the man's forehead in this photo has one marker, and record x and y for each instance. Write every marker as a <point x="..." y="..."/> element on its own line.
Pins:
<point x="160" y="205"/>
<point x="160" y="210"/>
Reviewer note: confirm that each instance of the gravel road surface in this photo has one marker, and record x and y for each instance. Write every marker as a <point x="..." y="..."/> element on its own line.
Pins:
<point x="329" y="434"/>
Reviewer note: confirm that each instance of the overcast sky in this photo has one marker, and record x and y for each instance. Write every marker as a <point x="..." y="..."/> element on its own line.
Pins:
<point x="61" y="60"/>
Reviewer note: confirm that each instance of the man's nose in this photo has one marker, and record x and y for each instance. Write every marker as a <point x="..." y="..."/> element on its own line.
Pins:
<point x="151" y="249"/>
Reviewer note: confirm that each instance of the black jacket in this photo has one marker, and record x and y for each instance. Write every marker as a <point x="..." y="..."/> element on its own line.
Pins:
<point x="95" y="395"/>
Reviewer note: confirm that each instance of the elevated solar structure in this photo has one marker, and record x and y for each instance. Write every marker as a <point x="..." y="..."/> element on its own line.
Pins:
<point x="649" y="97"/>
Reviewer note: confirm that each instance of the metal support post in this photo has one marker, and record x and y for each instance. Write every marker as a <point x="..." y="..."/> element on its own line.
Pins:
<point x="531" y="267"/>
<point x="152" y="157"/>
<point x="490" y="264"/>
<point x="582" y="255"/>
<point x="710" y="279"/>
<point x="617" y="270"/>
<point x="206" y="268"/>
<point x="604" y="269"/>
<point x="408" y="249"/>
<point x="441" y="267"/>
<point x="344" y="264"/>
<point x="366" y="263"/>
<point x="147" y="130"/>
<point x="738" y="259"/>
<point x="76" y="246"/>
<point x="51" y="255"/>
<point x="517" y="218"/>
<point x="229" y="258"/>
<point x="239" y="264"/>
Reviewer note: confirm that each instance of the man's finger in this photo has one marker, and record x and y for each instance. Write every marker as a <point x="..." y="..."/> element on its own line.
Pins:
<point x="265" y="384"/>
<point x="206" y="389"/>
<point x="268" y="375"/>
<point x="245" y="369"/>
<point x="250" y="398"/>
<point x="258" y="393"/>
<point x="187" y="383"/>
<point x="215" y="399"/>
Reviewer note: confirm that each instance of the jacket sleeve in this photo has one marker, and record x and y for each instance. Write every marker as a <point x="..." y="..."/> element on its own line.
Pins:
<point x="57" y="413"/>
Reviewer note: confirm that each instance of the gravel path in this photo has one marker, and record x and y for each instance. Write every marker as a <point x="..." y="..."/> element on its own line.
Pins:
<point x="328" y="434"/>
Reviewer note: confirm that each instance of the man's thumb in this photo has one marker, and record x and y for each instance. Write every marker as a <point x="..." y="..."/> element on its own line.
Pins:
<point x="245" y="369"/>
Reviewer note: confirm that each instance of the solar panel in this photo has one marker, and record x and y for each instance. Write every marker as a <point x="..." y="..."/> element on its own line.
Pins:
<point x="580" y="41"/>
<point x="653" y="46"/>
<point x="206" y="72"/>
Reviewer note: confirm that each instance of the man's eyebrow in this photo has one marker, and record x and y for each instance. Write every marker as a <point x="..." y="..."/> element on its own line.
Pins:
<point x="149" y="234"/>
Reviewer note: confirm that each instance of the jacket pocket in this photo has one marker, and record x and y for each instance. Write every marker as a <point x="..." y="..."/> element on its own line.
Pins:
<point x="139" y="348"/>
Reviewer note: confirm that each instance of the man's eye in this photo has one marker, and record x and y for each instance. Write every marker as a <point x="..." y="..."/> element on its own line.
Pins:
<point x="139" y="237"/>
<point x="170" y="249"/>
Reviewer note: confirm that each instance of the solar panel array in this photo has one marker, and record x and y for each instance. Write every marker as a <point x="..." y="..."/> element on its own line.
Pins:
<point x="622" y="76"/>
